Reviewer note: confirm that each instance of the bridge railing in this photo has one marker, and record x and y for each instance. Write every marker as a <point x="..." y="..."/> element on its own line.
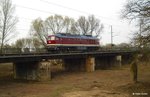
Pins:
<point x="42" y="50"/>
<point x="23" y="50"/>
<point x="118" y="49"/>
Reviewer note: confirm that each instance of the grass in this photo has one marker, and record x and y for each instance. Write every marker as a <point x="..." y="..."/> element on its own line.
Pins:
<point x="114" y="79"/>
<point x="60" y="90"/>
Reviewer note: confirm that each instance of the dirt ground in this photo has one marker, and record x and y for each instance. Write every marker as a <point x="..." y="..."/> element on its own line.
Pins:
<point x="114" y="82"/>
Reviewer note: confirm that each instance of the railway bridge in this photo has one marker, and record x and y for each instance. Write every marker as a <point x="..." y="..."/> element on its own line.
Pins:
<point x="34" y="66"/>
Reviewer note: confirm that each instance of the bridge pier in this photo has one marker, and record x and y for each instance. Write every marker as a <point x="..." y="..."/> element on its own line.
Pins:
<point x="80" y="64"/>
<point x="32" y="71"/>
<point x="118" y="60"/>
<point x="90" y="64"/>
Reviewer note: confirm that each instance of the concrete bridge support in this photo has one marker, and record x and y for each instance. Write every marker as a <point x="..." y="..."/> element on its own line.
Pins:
<point x="32" y="71"/>
<point x="118" y="60"/>
<point x="90" y="64"/>
<point x="80" y="64"/>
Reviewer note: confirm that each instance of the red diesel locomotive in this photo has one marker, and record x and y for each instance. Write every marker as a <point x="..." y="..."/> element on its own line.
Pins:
<point x="69" y="42"/>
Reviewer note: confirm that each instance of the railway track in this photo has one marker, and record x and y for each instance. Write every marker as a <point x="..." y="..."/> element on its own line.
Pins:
<point x="12" y="53"/>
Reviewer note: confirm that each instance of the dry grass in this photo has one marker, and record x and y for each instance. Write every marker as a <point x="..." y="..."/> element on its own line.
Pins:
<point x="114" y="82"/>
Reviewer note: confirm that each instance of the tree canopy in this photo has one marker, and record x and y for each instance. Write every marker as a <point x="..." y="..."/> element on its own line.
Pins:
<point x="89" y="26"/>
<point x="7" y="22"/>
<point x="59" y="24"/>
<point x="139" y="10"/>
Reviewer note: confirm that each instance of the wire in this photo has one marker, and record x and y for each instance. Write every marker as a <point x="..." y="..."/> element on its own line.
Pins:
<point x="48" y="2"/>
<point x="64" y="6"/>
<point x="59" y="6"/>
<point x="55" y="13"/>
<point x="35" y="9"/>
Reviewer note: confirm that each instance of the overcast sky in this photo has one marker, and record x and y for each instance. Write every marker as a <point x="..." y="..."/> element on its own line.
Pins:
<point x="108" y="11"/>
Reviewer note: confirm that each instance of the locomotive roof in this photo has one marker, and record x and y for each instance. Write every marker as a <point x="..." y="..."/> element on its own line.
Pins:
<point x="68" y="35"/>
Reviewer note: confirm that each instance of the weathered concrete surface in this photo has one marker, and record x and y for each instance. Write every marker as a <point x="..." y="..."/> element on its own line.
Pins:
<point x="44" y="71"/>
<point x="119" y="60"/>
<point x="90" y="64"/>
<point x="80" y="64"/>
<point x="32" y="70"/>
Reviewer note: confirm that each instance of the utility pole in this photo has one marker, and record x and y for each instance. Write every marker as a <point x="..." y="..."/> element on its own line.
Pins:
<point x="111" y="36"/>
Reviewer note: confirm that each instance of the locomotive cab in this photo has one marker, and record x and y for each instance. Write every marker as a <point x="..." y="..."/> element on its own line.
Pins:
<point x="51" y="43"/>
<point x="52" y="39"/>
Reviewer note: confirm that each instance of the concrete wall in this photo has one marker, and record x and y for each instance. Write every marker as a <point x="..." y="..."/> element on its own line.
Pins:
<point x="32" y="70"/>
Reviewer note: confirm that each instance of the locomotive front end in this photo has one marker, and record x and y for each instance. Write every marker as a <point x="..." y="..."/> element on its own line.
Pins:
<point x="51" y="43"/>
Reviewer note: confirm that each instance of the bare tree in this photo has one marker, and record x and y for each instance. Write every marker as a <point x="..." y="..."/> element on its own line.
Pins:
<point x="36" y="43"/>
<point x="7" y="22"/>
<point x="59" y="24"/>
<point x="39" y="30"/>
<point x="82" y="25"/>
<point x="123" y="45"/>
<point x="53" y="24"/>
<point x="134" y="9"/>
<point x="20" y="43"/>
<point x="68" y="23"/>
<point x="139" y="10"/>
<point x="24" y="45"/>
<point x="96" y="26"/>
<point x="89" y="26"/>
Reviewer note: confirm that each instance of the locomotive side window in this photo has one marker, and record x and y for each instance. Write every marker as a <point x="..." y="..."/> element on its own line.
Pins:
<point x="49" y="38"/>
<point x="52" y="37"/>
<point x="57" y="38"/>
